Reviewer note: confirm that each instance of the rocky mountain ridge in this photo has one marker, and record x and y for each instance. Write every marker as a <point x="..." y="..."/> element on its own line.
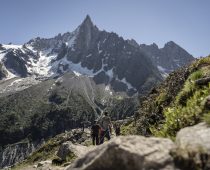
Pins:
<point x="168" y="58"/>
<point x="106" y="57"/>
<point x="51" y="85"/>
<point x="191" y="147"/>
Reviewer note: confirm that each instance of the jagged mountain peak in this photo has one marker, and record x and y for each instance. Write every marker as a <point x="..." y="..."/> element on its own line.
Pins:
<point x="87" y="23"/>
<point x="87" y="31"/>
<point x="87" y="20"/>
<point x="133" y="43"/>
<point x="172" y="47"/>
<point x="171" y="44"/>
<point x="154" y="45"/>
<point x="99" y="54"/>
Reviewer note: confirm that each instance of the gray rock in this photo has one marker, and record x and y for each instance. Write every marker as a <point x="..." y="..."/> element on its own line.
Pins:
<point x="193" y="147"/>
<point x="128" y="153"/>
<point x="15" y="61"/>
<point x="44" y="162"/>
<point x="68" y="149"/>
<point x="202" y="81"/>
<point x="194" y="139"/>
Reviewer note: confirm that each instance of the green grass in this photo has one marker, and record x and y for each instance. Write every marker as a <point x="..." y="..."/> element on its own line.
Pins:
<point x="189" y="87"/>
<point x="128" y="129"/>
<point x="161" y="98"/>
<point x="45" y="152"/>
<point x="205" y="60"/>
<point x="188" y="108"/>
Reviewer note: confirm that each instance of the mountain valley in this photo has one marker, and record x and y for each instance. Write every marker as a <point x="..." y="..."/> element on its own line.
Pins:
<point x="49" y="86"/>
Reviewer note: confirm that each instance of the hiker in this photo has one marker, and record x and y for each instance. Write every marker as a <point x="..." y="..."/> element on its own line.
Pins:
<point x="95" y="133"/>
<point x="117" y="128"/>
<point x="105" y="128"/>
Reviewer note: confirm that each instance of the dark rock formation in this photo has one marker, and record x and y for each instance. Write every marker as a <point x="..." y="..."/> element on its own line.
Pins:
<point x="202" y="81"/>
<point x="168" y="58"/>
<point x="15" y="64"/>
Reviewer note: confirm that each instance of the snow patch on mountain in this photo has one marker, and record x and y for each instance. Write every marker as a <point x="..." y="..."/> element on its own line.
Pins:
<point x="76" y="68"/>
<point x="41" y="66"/>
<point x="163" y="71"/>
<point x="128" y="84"/>
<point x="11" y="46"/>
<point x="110" y="73"/>
<point x="77" y="73"/>
<point x="31" y="48"/>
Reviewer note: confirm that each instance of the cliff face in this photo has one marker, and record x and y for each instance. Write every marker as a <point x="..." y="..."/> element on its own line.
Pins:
<point x="15" y="153"/>
<point x="169" y="58"/>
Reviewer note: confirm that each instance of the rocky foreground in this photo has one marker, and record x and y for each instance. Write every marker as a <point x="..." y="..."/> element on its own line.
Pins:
<point x="189" y="151"/>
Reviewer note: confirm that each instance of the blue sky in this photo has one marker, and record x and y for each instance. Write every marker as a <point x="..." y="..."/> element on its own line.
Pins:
<point x="186" y="22"/>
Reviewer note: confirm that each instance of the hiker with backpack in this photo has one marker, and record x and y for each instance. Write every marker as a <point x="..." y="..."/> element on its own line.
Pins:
<point x="95" y="133"/>
<point x="105" y="128"/>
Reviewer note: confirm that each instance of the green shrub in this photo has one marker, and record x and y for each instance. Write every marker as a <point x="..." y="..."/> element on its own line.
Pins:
<point x="180" y="116"/>
<point x="189" y="88"/>
<point x="205" y="60"/>
<point x="128" y="129"/>
<point x="196" y="75"/>
<point x="161" y="98"/>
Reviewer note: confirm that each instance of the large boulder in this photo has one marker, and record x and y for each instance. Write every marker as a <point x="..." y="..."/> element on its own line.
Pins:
<point x="128" y="153"/>
<point x="195" y="138"/>
<point x="68" y="149"/>
<point x="193" y="147"/>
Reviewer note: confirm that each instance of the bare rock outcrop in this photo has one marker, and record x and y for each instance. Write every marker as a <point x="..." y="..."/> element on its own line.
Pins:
<point x="76" y="150"/>
<point x="128" y="153"/>
<point x="16" y="153"/>
<point x="193" y="147"/>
